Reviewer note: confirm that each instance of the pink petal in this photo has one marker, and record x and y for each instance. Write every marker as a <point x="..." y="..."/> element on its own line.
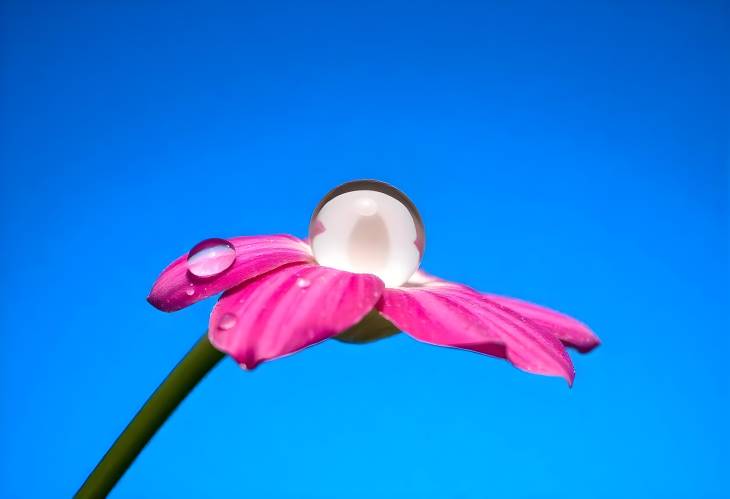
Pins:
<point x="570" y="331"/>
<point x="454" y="315"/>
<point x="177" y="288"/>
<point x="289" y="309"/>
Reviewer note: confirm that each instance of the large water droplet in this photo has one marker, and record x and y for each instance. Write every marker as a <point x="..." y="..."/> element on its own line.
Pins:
<point x="368" y="227"/>
<point x="211" y="257"/>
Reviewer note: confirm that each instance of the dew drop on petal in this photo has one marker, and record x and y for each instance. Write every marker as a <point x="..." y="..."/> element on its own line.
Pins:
<point x="227" y="321"/>
<point x="211" y="257"/>
<point x="303" y="283"/>
<point x="368" y="227"/>
<point x="190" y="291"/>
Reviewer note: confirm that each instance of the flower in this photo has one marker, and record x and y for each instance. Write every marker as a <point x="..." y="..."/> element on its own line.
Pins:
<point x="282" y="294"/>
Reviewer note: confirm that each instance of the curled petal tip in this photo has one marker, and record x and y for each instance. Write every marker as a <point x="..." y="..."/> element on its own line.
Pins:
<point x="572" y="332"/>
<point x="588" y="345"/>
<point x="154" y="300"/>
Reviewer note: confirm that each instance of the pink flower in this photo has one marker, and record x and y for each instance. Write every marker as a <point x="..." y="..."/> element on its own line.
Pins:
<point x="278" y="300"/>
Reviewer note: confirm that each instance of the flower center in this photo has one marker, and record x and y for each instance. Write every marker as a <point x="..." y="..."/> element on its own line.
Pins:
<point x="368" y="227"/>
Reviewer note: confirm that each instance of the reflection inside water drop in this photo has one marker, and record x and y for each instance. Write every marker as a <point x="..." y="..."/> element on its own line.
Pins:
<point x="368" y="227"/>
<point x="211" y="257"/>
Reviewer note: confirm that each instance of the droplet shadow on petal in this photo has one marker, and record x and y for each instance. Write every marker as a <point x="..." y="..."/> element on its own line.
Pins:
<point x="372" y="327"/>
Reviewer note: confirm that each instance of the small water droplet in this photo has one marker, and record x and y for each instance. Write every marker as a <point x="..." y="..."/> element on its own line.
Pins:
<point x="227" y="321"/>
<point x="211" y="257"/>
<point x="303" y="283"/>
<point x="190" y="291"/>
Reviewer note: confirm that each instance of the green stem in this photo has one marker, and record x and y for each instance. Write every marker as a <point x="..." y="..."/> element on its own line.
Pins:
<point x="179" y="383"/>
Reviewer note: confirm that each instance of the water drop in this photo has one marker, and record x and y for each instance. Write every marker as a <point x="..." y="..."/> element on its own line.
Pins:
<point x="303" y="283"/>
<point x="227" y="321"/>
<point x="211" y="257"/>
<point x="368" y="227"/>
<point x="190" y="291"/>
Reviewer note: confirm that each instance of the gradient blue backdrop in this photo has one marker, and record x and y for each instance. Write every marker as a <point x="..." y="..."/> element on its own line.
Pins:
<point x="572" y="154"/>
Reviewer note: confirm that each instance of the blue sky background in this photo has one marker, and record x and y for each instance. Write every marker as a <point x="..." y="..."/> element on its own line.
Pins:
<point x="571" y="153"/>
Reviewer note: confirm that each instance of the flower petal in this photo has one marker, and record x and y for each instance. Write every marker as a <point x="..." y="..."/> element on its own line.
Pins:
<point x="289" y="309"/>
<point x="177" y="288"/>
<point x="570" y="331"/>
<point x="453" y="315"/>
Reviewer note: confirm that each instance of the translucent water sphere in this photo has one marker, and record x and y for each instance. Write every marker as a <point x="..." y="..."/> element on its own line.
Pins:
<point x="211" y="257"/>
<point x="368" y="227"/>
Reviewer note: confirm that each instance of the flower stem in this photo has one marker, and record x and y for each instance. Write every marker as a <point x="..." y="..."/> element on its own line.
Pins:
<point x="179" y="383"/>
